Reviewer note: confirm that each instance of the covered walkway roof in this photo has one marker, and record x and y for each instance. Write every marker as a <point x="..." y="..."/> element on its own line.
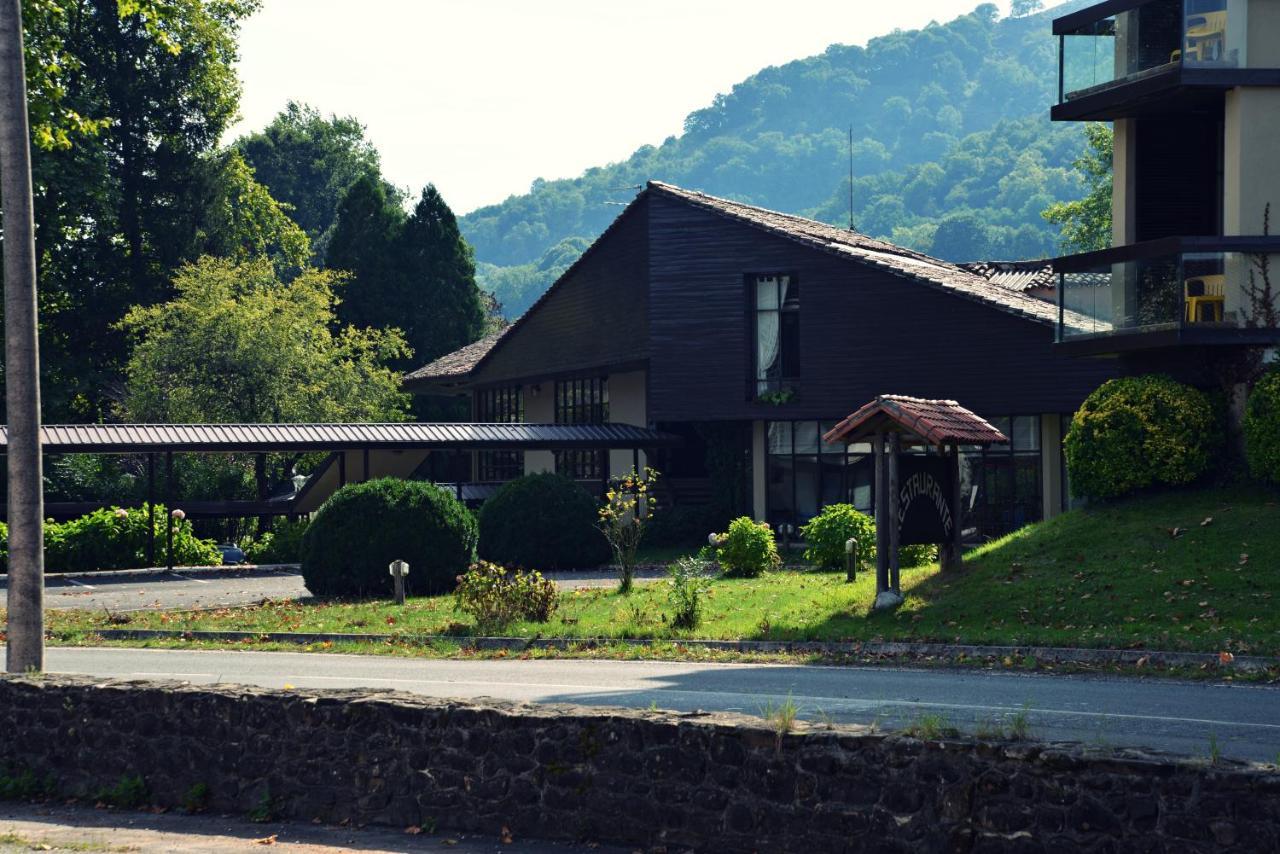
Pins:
<point x="273" y="438"/>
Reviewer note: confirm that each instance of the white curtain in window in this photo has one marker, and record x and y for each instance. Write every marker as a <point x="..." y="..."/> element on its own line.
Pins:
<point x="766" y="344"/>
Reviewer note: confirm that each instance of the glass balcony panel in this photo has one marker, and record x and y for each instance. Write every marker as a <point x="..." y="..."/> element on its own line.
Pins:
<point x="1150" y="39"/>
<point x="1201" y="290"/>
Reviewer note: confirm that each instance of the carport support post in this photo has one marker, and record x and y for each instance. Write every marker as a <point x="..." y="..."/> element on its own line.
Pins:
<point x="891" y="507"/>
<point x="882" y="515"/>
<point x="151" y="509"/>
<point x="168" y="510"/>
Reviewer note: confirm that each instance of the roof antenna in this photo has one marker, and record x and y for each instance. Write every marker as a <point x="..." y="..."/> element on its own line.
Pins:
<point x="851" y="177"/>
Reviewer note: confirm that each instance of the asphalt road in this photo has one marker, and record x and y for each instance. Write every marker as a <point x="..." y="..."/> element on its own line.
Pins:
<point x="213" y="588"/>
<point x="1180" y="717"/>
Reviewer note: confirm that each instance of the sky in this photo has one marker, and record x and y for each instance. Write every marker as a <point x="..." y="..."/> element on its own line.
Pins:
<point x="480" y="97"/>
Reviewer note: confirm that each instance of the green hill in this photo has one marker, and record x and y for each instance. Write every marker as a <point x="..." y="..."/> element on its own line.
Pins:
<point x="949" y="121"/>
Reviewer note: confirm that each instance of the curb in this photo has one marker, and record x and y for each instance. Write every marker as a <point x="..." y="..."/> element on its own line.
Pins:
<point x="885" y="649"/>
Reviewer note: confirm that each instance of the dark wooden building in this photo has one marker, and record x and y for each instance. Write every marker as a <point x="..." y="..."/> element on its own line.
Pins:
<point x="750" y="333"/>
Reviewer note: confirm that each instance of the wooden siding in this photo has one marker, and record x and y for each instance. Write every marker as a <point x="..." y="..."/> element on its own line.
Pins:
<point x="863" y="332"/>
<point x="594" y="317"/>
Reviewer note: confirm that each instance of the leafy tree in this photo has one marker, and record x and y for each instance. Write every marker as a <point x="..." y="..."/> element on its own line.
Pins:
<point x="241" y="221"/>
<point x="131" y="98"/>
<point x="1021" y="8"/>
<point x="962" y="237"/>
<point x="237" y="344"/>
<point x="308" y="162"/>
<point x="1086" y="222"/>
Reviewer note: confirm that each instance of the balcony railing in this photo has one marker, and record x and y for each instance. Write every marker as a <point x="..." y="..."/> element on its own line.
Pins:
<point x="1123" y="41"/>
<point x="1177" y="290"/>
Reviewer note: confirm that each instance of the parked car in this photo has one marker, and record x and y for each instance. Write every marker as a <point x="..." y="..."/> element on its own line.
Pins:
<point x="231" y="553"/>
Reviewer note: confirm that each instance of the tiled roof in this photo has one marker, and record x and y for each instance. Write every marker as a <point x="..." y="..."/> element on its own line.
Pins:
<point x="903" y="262"/>
<point x="1016" y="275"/>
<point x="458" y="363"/>
<point x="934" y="421"/>
<point x="138" y="438"/>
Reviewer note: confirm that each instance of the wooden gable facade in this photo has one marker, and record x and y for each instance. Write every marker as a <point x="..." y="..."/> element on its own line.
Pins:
<point x="864" y="331"/>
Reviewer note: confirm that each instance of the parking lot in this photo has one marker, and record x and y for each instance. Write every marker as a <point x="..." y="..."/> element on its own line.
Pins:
<point x="162" y="590"/>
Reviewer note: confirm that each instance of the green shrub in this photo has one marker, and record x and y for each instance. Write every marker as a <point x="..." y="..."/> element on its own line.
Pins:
<point x="690" y="577"/>
<point x="282" y="544"/>
<point x="542" y="520"/>
<point x="129" y="792"/>
<point x="116" y="538"/>
<point x="1137" y="432"/>
<point x="363" y="527"/>
<point x="1262" y="429"/>
<point x="496" y="597"/>
<point x="826" y="533"/>
<point x="747" y="549"/>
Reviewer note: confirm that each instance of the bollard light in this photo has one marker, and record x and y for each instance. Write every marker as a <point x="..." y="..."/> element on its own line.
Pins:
<point x="398" y="570"/>
<point x="850" y="558"/>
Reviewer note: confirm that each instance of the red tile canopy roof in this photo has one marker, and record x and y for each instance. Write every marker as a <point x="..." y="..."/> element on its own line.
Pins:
<point x="934" y="422"/>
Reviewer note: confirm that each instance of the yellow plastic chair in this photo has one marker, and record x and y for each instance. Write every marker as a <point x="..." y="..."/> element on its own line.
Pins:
<point x="1212" y="296"/>
<point x="1206" y="36"/>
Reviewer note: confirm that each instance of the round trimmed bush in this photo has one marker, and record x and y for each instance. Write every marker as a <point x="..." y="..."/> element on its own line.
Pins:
<point x="542" y="521"/>
<point x="1137" y="432"/>
<point x="747" y="548"/>
<point x="363" y="527"/>
<point x="1262" y="429"/>
<point x="827" y="532"/>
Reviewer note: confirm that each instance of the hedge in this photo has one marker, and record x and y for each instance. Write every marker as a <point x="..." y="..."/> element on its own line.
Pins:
<point x="116" y="538"/>
<point x="1137" y="432"/>
<point x="1262" y="429"/>
<point x="363" y="527"/>
<point x="542" y="521"/>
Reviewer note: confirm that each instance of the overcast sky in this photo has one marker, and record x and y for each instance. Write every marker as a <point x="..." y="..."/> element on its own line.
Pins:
<point x="482" y="96"/>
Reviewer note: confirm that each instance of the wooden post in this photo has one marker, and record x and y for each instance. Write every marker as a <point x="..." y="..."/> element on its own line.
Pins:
<point x="951" y="558"/>
<point x="892" y="511"/>
<point x="882" y="515"/>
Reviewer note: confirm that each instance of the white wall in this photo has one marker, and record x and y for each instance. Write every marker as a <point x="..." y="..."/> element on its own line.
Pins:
<point x="539" y="408"/>
<point x="628" y="404"/>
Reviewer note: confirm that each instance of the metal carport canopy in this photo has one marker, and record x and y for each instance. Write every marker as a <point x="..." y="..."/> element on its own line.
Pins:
<point x="265" y="438"/>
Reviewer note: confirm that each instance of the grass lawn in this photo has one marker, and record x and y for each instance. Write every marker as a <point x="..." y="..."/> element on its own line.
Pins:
<point x="1197" y="570"/>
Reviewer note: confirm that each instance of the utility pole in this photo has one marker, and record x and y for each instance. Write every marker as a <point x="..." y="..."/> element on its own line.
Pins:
<point x="21" y="357"/>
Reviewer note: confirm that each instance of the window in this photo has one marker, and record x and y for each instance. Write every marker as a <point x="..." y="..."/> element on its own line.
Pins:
<point x="777" y="334"/>
<point x="803" y="475"/>
<point x="582" y="401"/>
<point x="502" y="405"/>
<point x="1000" y="485"/>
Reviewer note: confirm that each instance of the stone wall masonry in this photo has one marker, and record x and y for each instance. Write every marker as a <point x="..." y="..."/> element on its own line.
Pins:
<point x="718" y="783"/>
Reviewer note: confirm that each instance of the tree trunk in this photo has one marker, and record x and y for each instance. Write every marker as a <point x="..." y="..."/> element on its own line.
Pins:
<point x="22" y="359"/>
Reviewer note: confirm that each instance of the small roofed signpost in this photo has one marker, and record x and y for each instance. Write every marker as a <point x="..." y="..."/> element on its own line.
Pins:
<point x="917" y="495"/>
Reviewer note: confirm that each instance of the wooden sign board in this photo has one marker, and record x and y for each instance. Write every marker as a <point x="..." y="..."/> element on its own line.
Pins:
<point x="924" y="500"/>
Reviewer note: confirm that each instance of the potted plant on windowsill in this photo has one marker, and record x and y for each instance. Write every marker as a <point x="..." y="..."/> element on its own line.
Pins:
<point x="777" y="397"/>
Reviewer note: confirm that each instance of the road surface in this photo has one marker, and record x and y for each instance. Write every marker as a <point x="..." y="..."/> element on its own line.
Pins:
<point x="1175" y="716"/>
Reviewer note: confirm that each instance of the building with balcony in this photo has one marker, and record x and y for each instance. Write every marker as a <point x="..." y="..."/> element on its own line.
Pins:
<point x="1192" y="88"/>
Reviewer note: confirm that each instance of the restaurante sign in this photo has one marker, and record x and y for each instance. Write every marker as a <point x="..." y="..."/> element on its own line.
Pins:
<point x="924" y="500"/>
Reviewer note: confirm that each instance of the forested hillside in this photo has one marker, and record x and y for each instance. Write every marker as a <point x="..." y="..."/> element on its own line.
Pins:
<point x="953" y="152"/>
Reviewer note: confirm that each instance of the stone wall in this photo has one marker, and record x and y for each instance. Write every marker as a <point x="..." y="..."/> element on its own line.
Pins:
<point x="708" y="782"/>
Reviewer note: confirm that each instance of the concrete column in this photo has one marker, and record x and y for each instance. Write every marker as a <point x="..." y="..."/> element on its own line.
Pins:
<point x="1051" y="464"/>
<point x="759" y="473"/>
<point x="1123" y="157"/>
